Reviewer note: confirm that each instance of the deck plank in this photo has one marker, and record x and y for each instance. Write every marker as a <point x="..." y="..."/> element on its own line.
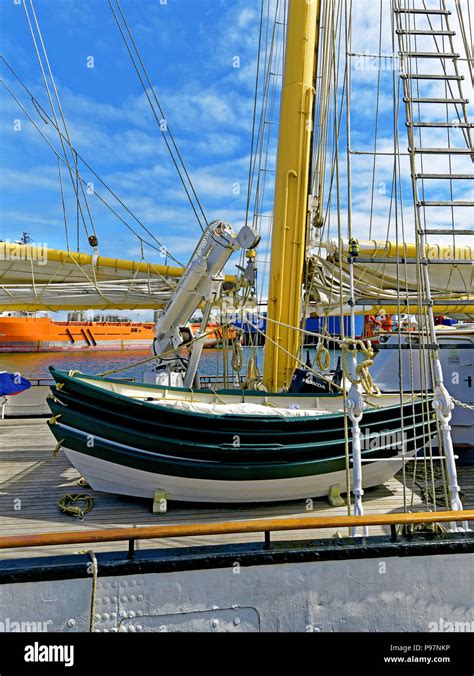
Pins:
<point x="31" y="483"/>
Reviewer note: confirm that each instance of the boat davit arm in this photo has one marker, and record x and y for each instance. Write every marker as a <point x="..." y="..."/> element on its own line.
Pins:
<point x="200" y="283"/>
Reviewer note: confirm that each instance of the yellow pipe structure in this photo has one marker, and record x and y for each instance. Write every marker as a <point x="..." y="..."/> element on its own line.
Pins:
<point x="415" y="309"/>
<point x="21" y="252"/>
<point x="291" y="192"/>
<point x="403" y="308"/>
<point x="375" y="249"/>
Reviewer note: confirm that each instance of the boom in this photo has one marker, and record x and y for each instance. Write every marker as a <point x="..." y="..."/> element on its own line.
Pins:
<point x="200" y="283"/>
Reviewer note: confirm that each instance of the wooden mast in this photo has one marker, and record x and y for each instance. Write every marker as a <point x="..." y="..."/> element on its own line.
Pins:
<point x="290" y="216"/>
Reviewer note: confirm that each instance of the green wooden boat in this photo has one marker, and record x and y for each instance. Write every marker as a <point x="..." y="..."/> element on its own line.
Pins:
<point x="136" y="445"/>
<point x="201" y="448"/>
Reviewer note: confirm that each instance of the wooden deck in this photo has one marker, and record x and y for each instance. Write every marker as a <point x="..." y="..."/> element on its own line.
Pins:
<point x="31" y="483"/>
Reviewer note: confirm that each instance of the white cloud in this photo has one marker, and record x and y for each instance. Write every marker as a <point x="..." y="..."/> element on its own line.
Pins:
<point x="210" y="114"/>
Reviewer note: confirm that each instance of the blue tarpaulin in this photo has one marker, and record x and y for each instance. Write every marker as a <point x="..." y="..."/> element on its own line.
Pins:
<point x="12" y="383"/>
<point x="315" y="325"/>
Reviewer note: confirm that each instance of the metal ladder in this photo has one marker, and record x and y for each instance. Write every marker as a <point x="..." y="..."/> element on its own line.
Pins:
<point x="454" y="101"/>
<point x="406" y="15"/>
<point x="409" y="14"/>
<point x="407" y="22"/>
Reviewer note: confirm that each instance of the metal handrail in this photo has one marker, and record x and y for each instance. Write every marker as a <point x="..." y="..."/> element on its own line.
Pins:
<point x="228" y="527"/>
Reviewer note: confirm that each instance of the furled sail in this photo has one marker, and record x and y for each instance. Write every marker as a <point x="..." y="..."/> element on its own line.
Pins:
<point x="388" y="271"/>
<point x="33" y="278"/>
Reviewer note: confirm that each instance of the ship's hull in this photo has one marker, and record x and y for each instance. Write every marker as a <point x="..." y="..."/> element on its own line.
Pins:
<point x="293" y="584"/>
<point x="216" y="335"/>
<point x="42" y="334"/>
<point x="129" y="446"/>
<point x="110" y="346"/>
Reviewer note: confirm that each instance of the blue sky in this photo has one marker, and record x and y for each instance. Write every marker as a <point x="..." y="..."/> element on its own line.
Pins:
<point x="189" y="48"/>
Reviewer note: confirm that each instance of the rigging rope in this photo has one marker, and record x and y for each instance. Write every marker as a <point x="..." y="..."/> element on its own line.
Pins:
<point x="255" y="100"/>
<point x="159" y="247"/>
<point x="188" y="187"/>
<point x="53" y="108"/>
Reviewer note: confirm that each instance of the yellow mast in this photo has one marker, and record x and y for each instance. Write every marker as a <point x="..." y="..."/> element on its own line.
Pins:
<point x="291" y="191"/>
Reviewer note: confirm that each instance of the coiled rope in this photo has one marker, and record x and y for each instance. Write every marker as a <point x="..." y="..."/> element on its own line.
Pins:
<point x="364" y="377"/>
<point x="323" y="358"/>
<point x="76" y="504"/>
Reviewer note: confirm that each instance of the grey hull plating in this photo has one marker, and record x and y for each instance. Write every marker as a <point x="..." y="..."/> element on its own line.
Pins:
<point x="343" y="585"/>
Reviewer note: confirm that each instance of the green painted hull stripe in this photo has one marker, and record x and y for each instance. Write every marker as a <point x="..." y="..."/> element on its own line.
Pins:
<point x="154" y="442"/>
<point x="160" y="388"/>
<point x="158" y="424"/>
<point x="149" y="462"/>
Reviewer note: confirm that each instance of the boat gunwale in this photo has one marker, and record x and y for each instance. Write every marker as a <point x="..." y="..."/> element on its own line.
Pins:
<point x="190" y="390"/>
<point x="67" y="399"/>
<point x="63" y="377"/>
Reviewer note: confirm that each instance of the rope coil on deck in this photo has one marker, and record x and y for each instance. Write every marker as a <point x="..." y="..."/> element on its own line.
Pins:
<point x="68" y="504"/>
<point x="411" y="529"/>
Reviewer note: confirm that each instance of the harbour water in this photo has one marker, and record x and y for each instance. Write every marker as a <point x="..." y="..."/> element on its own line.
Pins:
<point x="34" y="365"/>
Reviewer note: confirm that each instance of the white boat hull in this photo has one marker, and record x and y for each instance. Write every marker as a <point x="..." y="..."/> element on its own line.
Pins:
<point x="110" y="477"/>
